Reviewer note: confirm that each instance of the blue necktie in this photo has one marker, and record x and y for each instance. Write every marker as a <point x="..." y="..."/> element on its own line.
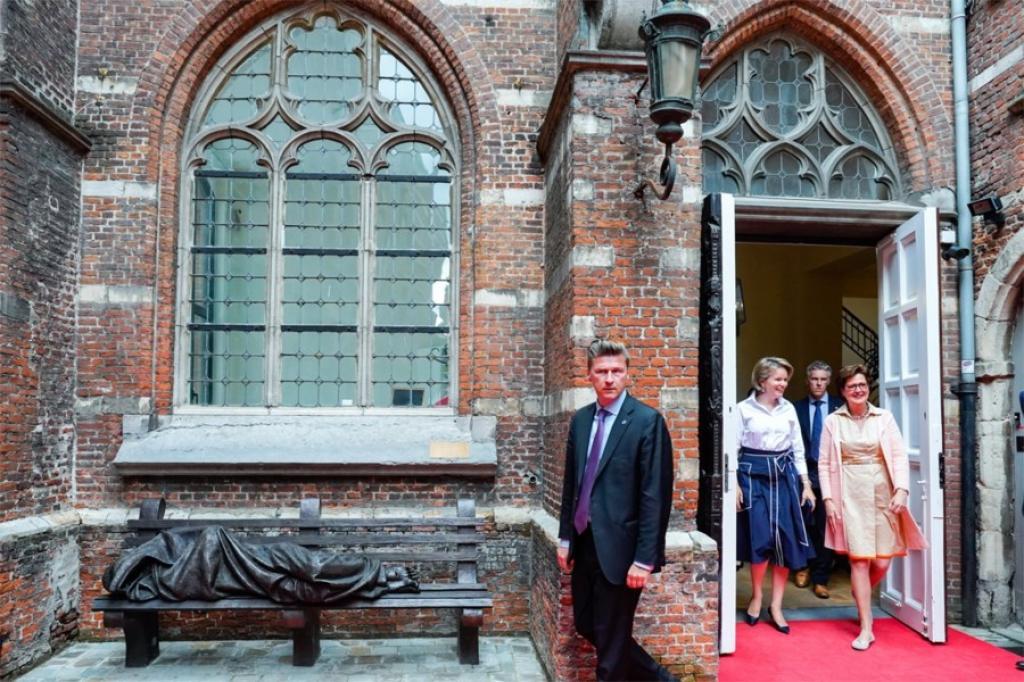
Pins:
<point x="815" y="430"/>
<point x="582" y="516"/>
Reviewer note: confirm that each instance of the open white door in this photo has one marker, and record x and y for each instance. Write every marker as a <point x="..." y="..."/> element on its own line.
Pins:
<point x="910" y="387"/>
<point x="729" y="455"/>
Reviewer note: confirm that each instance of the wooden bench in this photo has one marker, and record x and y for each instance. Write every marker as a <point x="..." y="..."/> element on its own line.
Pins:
<point x="437" y="546"/>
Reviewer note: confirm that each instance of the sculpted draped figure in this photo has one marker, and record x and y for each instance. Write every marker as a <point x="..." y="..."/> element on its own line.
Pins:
<point x="865" y="485"/>
<point x="209" y="563"/>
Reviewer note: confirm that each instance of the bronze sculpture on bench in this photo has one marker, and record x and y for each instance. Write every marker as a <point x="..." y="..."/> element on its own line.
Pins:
<point x="444" y="550"/>
<point x="210" y="563"/>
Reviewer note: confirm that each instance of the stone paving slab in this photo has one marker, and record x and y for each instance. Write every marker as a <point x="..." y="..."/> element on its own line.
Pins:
<point x="502" y="659"/>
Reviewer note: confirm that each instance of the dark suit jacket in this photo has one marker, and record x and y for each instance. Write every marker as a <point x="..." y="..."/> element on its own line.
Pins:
<point x="803" y="415"/>
<point x="632" y="496"/>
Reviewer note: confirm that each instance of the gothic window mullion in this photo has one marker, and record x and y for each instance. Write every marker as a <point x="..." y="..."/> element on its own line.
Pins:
<point x="274" y="277"/>
<point x="366" y="274"/>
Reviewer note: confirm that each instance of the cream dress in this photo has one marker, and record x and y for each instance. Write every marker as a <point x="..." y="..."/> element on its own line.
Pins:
<point x="872" y="531"/>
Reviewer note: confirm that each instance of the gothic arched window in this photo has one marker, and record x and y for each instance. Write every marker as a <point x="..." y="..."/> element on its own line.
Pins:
<point x="780" y="119"/>
<point x="317" y="252"/>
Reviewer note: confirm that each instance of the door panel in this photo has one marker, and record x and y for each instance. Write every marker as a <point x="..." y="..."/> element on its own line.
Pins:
<point x="910" y="387"/>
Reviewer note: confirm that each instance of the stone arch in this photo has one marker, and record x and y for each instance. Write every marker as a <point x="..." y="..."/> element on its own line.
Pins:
<point x="191" y="46"/>
<point x="856" y="36"/>
<point x="996" y="310"/>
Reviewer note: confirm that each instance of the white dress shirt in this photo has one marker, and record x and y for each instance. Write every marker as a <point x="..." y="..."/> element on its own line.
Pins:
<point x="775" y="429"/>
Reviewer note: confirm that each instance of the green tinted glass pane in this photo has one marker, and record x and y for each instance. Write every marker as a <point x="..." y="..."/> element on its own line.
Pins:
<point x="717" y="96"/>
<point x="278" y="131"/>
<point x="412" y="291"/>
<point x="236" y="100"/>
<point x="411" y="105"/>
<point x="325" y="71"/>
<point x="410" y="369"/>
<point x="318" y="369"/>
<point x="780" y="87"/>
<point x="321" y="289"/>
<point x="322" y="198"/>
<point x="226" y="368"/>
<point x="846" y="113"/>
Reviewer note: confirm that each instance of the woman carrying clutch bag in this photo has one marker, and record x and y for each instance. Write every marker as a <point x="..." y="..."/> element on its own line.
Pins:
<point x="864" y="487"/>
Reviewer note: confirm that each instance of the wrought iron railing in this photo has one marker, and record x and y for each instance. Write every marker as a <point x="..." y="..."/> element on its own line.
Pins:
<point x="863" y="341"/>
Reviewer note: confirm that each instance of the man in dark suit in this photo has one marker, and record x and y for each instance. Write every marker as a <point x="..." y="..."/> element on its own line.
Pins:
<point x="616" y="497"/>
<point x="811" y="412"/>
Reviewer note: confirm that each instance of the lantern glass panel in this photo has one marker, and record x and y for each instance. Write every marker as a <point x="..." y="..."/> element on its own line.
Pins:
<point x="678" y="72"/>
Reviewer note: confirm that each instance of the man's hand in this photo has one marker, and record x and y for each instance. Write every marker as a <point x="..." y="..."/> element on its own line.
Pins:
<point x="564" y="562"/>
<point x="637" y="577"/>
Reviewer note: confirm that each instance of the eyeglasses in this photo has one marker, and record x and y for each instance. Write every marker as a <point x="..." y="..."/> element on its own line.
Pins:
<point x="856" y="387"/>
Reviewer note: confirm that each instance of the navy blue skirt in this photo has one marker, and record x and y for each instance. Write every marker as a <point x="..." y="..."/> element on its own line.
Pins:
<point x="771" y="526"/>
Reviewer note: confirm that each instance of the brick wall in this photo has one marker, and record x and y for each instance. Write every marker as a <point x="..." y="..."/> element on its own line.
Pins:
<point x="39" y="593"/>
<point x="676" y="620"/>
<point x="40" y="164"/>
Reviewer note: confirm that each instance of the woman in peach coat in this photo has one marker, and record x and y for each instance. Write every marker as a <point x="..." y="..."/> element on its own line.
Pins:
<point x="864" y="487"/>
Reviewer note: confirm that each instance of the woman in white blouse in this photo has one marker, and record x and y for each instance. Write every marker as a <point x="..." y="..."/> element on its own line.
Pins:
<point x="769" y="523"/>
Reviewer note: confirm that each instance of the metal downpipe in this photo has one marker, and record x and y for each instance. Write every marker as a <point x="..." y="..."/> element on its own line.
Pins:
<point x="967" y="390"/>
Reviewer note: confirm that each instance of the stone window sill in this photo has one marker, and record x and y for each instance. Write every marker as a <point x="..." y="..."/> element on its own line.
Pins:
<point x="234" y="445"/>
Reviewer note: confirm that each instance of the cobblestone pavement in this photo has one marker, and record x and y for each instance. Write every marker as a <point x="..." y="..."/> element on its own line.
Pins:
<point x="502" y="659"/>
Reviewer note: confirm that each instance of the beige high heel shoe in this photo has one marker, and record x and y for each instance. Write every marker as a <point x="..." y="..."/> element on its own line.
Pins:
<point x="863" y="641"/>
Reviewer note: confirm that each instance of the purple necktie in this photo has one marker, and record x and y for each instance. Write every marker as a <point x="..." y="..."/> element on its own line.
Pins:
<point x="589" y="474"/>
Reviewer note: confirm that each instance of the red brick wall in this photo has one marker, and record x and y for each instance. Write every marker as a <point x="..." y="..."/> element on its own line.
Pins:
<point x="997" y="136"/>
<point x="39" y="252"/>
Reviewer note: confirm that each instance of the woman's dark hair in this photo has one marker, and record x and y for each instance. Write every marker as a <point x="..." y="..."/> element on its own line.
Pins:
<point x="849" y="371"/>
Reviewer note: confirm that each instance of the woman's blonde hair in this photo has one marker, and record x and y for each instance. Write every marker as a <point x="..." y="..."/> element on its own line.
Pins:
<point x="764" y="368"/>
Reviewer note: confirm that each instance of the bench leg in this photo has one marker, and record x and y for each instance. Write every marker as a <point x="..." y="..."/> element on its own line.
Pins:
<point x="141" y="638"/>
<point x="470" y="621"/>
<point x="305" y="625"/>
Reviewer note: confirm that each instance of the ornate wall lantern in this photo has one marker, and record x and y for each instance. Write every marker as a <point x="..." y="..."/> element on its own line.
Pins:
<point x="673" y="38"/>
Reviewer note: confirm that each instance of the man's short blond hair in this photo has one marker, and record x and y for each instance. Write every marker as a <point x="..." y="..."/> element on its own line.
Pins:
<point x="602" y="347"/>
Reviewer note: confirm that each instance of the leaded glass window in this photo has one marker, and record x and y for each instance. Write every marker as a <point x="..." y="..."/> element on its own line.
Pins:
<point x="780" y="119"/>
<point x="317" y="258"/>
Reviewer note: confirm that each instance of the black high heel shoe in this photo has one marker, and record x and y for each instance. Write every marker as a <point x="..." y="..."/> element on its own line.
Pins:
<point x="751" y="620"/>
<point x="784" y="629"/>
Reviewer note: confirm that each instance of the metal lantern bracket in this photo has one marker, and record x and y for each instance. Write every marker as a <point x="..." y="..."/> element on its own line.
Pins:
<point x="673" y="38"/>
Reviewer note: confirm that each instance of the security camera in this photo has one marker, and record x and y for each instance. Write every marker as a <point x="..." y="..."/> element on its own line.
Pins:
<point x="955" y="252"/>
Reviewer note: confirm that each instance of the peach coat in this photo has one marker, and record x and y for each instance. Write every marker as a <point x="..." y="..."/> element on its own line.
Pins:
<point x="830" y="469"/>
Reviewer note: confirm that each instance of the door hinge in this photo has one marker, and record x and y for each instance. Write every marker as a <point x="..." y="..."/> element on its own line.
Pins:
<point x="942" y="470"/>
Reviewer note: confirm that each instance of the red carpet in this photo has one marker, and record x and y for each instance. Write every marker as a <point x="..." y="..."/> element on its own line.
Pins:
<point x="820" y="650"/>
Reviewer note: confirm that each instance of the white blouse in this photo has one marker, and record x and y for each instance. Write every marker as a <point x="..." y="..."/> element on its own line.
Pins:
<point x="774" y="429"/>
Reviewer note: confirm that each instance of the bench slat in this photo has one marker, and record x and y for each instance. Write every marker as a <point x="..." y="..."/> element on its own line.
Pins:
<point x="341" y="539"/>
<point x="160" y="524"/>
<point x="460" y="598"/>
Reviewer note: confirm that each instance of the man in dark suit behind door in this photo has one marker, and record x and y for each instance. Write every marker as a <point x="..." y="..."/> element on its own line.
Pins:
<point x="616" y="498"/>
<point x="811" y="412"/>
